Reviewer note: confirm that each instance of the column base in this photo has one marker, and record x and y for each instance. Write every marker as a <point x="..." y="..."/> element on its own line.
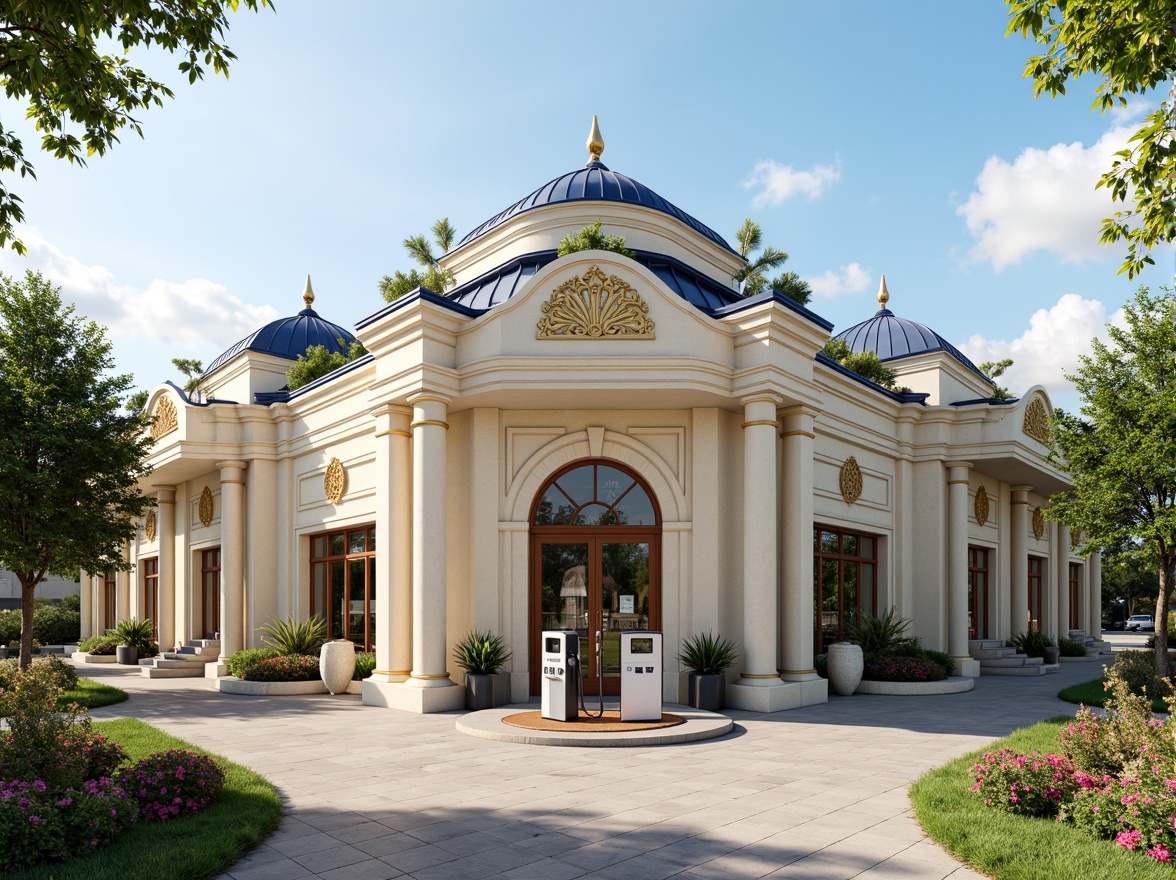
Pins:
<point x="388" y="677"/>
<point x="776" y="695"/>
<point x="216" y="669"/>
<point x="422" y="701"/>
<point x="967" y="666"/>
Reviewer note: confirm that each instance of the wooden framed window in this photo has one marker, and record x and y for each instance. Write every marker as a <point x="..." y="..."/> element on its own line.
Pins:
<point x="151" y="593"/>
<point x="210" y="563"/>
<point x="109" y="601"/>
<point x="1036" y="593"/>
<point x="1075" y="595"/>
<point x="343" y="584"/>
<point x="845" y="571"/>
<point x="978" y="592"/>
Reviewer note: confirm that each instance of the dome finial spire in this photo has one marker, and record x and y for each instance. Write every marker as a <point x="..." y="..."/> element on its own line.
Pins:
<point x="308" y="293"/>
<point x="883" y="294"/>
<point x="595" y="141"/>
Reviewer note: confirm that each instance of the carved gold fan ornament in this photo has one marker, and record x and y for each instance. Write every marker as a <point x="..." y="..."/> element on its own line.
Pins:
<point x="335" y="481"/>
<point x="1036" y="423"/>
<point x="206" y="507"/>
<point x="595" y="306"/>
<point x="1038" y="522"/>
<point x="149" y="527"/>
<point x="981" y="506"/>
<point x="851" y="480"/>
<point x="165" y="419"/>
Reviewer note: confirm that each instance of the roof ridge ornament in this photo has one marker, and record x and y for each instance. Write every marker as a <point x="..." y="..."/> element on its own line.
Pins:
<point x="883" y="294"/>
<point x="595" y="142"/>
<point x="308" y="293"/>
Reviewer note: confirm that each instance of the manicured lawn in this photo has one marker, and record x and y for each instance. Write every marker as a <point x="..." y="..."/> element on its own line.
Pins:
<point x="1009" y="847"/>
<point x="92" y="694"/>
<point x="189" y="848"/>
<point x="1091" y="693"/>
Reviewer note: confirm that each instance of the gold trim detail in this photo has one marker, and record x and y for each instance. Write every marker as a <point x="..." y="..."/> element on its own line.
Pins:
<point x="1036" y="423"/>
<point x="149" y="527"/>
<point x="808" y="434"/>
<point x="1038" y="522"/>
<point x="981" y="506"/>
<point x="444" y="425"/>
<point x="797" y="671"/>
<point x="335" y="481"/>
<point x="429" y="677"/>
<point x="1075" y="538"/>
<point x="394" y="433"/>
<point x="165" y="420"/>
<point x="206" y="507"/>
<point x="771" y="422"/>
<point x="851" y="480"/>
<point x="595" y="306"/>
<point x="746" y="675"/>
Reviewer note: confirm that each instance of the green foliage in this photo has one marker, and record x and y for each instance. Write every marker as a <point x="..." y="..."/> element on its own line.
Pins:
<point x="193" y="371"/>
<point x="53" y="56"/>
<point x="285" y="667"/>
<point x="590" y="239"/>
<point x="1071" y="648"/>
<point x="878" y="635"/>
<point x="434" y="277"/>
<point x="53" y="667"/>
<point x="294" y="636"/>
<point x="241" y="660"/>
<point x="707" y="653"/>
<point x="72" y="602"/>
<point x="1128" y="47"/>
<point x="319" y="361"/>
<point x="135" y="633"/>
<point x="1121" y="451"/>
<point x="54" y="625"/>
<point x="902" y="667"/>
<point x="1031" y="643"/>
<point x="994" y="370"/>
<point x="365" y="665"/>
<point x="91" y="694"/>
<point x="865" y="363"/>
<point x="1137" y="670"/>
<point x="137" y="402"/>
<point x="481" y="653"/>
<point x="103" y="646"/>
<point x="70" y="456"/>
<point x="1129" y="573"/>
<point x="754" y="276"/>
<point x="943" y="659"/>
<point x="9" y="627"/>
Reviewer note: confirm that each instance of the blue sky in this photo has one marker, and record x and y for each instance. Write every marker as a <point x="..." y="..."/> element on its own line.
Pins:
<point x="865" y="137"/>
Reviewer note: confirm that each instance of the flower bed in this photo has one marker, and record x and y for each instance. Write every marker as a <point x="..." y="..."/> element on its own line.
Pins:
<point x="953" y="685"/>
<point x="298" y="667"/>
<point x="238" y="686"/>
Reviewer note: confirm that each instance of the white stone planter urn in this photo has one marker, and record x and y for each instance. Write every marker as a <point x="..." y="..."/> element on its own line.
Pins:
<point x="337" y="664"/>
<point x="846" y="665"/>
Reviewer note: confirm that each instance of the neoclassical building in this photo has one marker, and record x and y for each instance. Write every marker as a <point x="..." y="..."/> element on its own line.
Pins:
<point x="599" y="442"/>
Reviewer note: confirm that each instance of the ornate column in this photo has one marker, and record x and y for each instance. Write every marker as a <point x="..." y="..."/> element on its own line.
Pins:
<point x="232" y="575"/>
<point x="1063" y="580"/>
<point x="1094" y="594"/>
<point x="394" y="509"/>
<point x="165" y="497"/>
<point x="86" y="585"/>
<point x="1019" y="558"/>
<point x="957" y="560"/>
<point x="759" y="541"/>
<point x="796" y="545"/>
<point x="122" y="605"/>
<point x="429" y="586"/>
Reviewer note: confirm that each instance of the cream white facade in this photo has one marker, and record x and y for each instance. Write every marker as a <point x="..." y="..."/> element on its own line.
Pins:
<point x="440" y="441"/>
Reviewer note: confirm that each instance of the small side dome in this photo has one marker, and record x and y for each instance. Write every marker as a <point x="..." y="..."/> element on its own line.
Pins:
<point x="291" y="337"/>
<point x="891" y="337"/>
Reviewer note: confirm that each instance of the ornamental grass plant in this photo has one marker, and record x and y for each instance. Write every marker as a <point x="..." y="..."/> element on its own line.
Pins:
<point x="481" y="653"/>
<point x="294" y="636"/>
<point x="708" y="654"/>
<point x="890" y="654"/>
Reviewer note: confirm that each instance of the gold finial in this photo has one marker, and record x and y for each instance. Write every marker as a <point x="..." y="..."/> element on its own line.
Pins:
<point x="883" y="294"/>
<point x="308" y="293"/>
<point x="595" y="141"/>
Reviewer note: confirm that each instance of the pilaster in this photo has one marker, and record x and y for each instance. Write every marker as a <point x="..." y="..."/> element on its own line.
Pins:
<point x="1019" y="561"/>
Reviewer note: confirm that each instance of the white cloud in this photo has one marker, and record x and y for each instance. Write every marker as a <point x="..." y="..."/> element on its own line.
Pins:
<point x="848" y="279"/>
<point x="777" y="182"/>
<point x="1044" y="200"/>
<point x="193" y="317"/>
<point x="1049" y="348"/>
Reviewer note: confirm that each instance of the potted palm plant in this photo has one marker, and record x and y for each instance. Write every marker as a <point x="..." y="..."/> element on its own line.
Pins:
<point x="135" y="638"/>
<point x="708" y="657"/>
<point x="481" y="655"/>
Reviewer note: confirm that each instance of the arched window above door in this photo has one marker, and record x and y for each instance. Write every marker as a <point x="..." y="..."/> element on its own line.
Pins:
<point x="595" y="494"/>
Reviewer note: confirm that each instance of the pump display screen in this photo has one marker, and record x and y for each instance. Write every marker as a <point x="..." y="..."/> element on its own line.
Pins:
<point x="641" y="646"/>
<point x="553" y="646"/>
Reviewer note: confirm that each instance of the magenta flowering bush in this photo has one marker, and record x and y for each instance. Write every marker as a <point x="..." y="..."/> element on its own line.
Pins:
<point x="894" y="667"/>
<point x="287" y="667"/>
<point x="1031" y="785"/>
<point x="39" y="825"/>
<point x="173" y="783"/>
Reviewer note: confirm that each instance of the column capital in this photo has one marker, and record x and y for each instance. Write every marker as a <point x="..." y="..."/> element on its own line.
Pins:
<point x="429" y="396"/>
<point x="165" y="494"/>
<point x="1022" y="492"/>
<point x="240" y="465"/>
<point x="761" y="397"/>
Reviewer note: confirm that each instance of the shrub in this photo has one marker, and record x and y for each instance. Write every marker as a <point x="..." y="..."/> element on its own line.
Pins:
<point x="38" y="824"/>
<point x="294" y="636"/>
<point x="1030" y="785"/>
<point x="879" y="635"/>
<point x="1138" y="670"/>
<point x="135" y="633"/>
<point x="71" y="603"/>
<point x="102" y="646"/>
<point x="54" y="625"/>
<point x="60" y="672"/>
<point x="944" y="660"/>
<point x="481" y="653"/>
<point x="172" y="783"/>
<point x="240" y="660"/>
<point x="287" y="667"/>
<point x="9" y="627"/>
<point x="1031" y="643"/>
<point x="821" y="664"/>
<point x="1071" y="648"/>
<point x="365" y="665"/>
<point x="708" y="654"/>
<point x="892" y="667"/>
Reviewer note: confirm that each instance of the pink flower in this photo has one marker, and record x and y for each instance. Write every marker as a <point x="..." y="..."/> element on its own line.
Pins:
<point x="1128" y="839"/>
<point x="1160" y="853"/>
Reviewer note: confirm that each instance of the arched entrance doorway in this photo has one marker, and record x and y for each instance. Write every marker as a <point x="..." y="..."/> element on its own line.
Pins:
<point x="595" y="563"/>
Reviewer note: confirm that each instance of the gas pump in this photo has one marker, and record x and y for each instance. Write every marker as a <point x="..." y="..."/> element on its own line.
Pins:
<point x="561" y="674"/>
<point x="641" y="675"/>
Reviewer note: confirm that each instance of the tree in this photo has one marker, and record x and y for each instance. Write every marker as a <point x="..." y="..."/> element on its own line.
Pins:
<point x="1121" y="451"/>
<point x="865" y="363"/>
<point x="434" y="277"/>
<point x="754" y="277"/>
<point x="590" y="239"/>
<point x="1129" y="45"/>
<point x="994" y="370"/>
<point x="51" y="56"/>
<point x="1128" y="574"/>
<point x="193" y="371"/>
<point x="71" y="456"/>
<point x="137" y="402"/>
<point x="319" y="361"/>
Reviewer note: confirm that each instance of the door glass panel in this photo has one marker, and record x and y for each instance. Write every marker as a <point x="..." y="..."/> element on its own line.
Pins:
<point x="611" y="484"/>
<point x="371" y="587"/>
<point x="829" y="542"/>
<point x="554" y="509"/>
<point x="866" y="588"/>
<point x="867" y="546"/>
<point x="635" y="509"/>
<point x="624" y="597"/>
<point x="578" y="484"/>
<point x="318" y="598"/>
<point x="849" y="545"/>
<point x="595" y="515"/>
<point x="356" y="613"/>
<point x="337" y="545"/>
<point x="319" y="546"/>
<point x="829" y="605"/>
<point x="850" y="606"/>
<point x="338" y="597"/>
<point x="357" y="540"/>
<point x="564" y="586"/>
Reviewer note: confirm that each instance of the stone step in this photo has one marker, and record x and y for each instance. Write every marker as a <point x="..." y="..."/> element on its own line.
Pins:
<point x="204" y="643"/>
<point x="1012" y="670"/>
<point x="199" y="651"/>
<point x="187" y="671"/>
<point x="985" y="644"/>
<point x="1009" y="662"/>
<point x="983" y="654"/>
<point x="1051" y="667"/>
<point x="173" y="662"/>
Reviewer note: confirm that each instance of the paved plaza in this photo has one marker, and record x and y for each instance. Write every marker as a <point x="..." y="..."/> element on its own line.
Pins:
<point x="818" y="793"/>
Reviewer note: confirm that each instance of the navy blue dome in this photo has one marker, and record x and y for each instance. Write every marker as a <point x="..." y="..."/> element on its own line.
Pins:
<point x="291" y="337"/>
<point x="891" y="337"/>
<point x="594" y="182"/>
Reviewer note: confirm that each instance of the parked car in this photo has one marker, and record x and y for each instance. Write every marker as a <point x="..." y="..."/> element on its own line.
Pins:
<point x="1141" y="623"/>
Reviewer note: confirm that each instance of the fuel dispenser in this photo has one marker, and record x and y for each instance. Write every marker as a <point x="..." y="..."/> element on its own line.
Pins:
<point x="641" y="675"/>
<point x="561" y="674"/>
